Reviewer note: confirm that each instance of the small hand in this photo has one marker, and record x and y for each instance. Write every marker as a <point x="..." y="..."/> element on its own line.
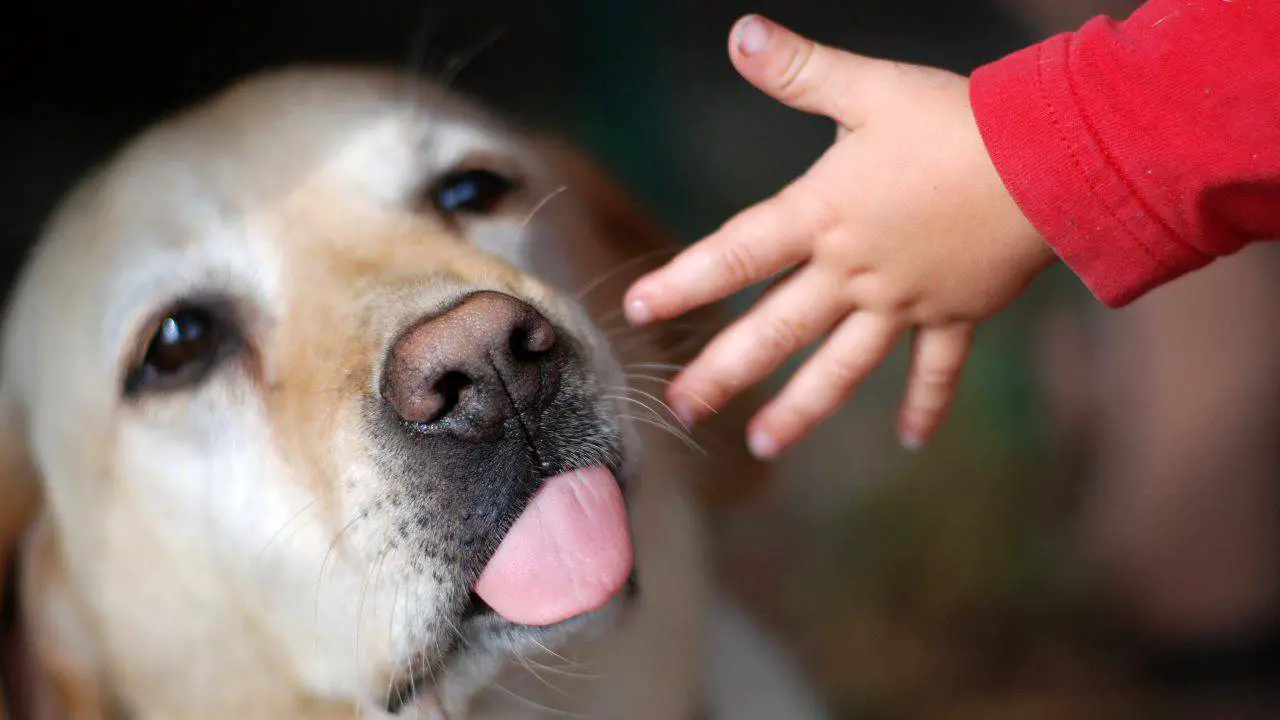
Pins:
<point x="902" y="224"/>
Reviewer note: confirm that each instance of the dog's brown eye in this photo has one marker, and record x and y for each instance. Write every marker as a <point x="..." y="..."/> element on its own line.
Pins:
<point x="470" y="191"/>
<point x="185" y="345"/>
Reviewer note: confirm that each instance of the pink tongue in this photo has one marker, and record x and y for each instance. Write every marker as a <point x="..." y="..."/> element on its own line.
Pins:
<point x="568" y="554"/>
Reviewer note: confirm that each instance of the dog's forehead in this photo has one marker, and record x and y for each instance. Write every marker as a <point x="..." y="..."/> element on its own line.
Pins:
<point x="278" y="134"/>
<point x="367" y="131"/>
<point x="367" y="136"/>
<point x="205" y="196"/>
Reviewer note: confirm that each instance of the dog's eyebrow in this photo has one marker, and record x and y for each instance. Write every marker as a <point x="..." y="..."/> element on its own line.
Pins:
<point x="172" y="274"/>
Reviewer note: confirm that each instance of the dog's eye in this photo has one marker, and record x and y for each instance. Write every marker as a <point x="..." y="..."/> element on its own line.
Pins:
<point x="477" y="192"/>
<point x="184" y="346"/>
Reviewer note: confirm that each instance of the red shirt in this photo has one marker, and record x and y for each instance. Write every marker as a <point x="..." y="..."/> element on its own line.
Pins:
<point x="1143" y="149"/>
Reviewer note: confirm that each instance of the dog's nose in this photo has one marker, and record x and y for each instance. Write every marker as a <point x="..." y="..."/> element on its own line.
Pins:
<point x="489" y="358"/>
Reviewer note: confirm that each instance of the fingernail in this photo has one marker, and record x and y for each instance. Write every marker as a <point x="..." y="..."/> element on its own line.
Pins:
<point x="683" y="414"/>
<point x="762" y="445"/>
<point x="753" y="35"/>
<point x="911" y="441"/>
<point x="638" y="312"/>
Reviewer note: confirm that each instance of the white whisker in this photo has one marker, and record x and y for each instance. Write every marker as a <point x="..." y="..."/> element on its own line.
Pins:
<point x="554" y="654"/>
<point x="655" y="366"/>
<point x="391" y="634"/>
<point x="657" y="415"/>
<point x="324" y="563"/>
<point x="541" y="204"/>
<point x="535" y="705"/>
<point x="287" y="523"/>
<point x="661" y="404"/>
<point x="624" y="331"/>
<point x="602" y="277"/>
<point x="664" y="381"/>
<point x="560" y="669"/>
<point x="422" y="40"/>
<point x="693" y="445"/>
<point x="525" y="662"/>
<point x="373" y="576"/>
<point x="609" y="317"/>
<point x="462" y="60"/>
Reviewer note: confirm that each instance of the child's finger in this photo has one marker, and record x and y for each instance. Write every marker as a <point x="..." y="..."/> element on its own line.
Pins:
<point x="795" y="70"/>
<point x="938" y="355"/>
<point x="856" y="347"/>
<point x="788" y="319"/>
<point x="759" y="242"/>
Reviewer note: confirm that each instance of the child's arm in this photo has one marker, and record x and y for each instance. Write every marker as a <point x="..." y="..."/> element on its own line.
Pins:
<point x="1142" y="150"/>
<point x="905" y="222"/>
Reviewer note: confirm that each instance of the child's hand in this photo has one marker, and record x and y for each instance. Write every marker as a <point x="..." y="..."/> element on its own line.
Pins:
<point x="903" y="223"/>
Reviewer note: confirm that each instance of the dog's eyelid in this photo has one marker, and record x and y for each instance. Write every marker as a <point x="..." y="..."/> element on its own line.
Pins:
<point x="474" y="192"/>
<point x="180" y="345"/>
<point x="478" y="184"/>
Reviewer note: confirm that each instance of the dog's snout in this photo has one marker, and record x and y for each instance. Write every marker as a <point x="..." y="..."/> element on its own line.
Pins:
<point x="489" y="358"/>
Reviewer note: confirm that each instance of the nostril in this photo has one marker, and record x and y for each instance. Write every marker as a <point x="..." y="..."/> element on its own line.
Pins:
<point x="467" y="370"/>
<point x="531" y="341"/>
<point x="450" y="388"/>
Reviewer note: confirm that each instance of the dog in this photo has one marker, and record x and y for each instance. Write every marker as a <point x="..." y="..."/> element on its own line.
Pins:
<point x="315" y="402"/>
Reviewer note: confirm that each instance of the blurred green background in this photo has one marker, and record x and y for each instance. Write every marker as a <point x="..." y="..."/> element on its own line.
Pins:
<point x="949" y="584"/>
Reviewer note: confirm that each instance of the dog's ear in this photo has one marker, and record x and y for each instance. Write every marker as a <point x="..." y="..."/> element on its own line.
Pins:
<point x="630" y="243"/>
<point x="18" y="489"/>
<point x="18" y="499"/>
<point x="45" y="668"/>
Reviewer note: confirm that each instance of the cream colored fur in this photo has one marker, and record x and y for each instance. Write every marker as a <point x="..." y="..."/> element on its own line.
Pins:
<point x="193" y="555"/>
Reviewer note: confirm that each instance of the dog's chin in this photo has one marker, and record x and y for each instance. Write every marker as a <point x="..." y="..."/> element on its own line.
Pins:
<point x="485" y="640"/>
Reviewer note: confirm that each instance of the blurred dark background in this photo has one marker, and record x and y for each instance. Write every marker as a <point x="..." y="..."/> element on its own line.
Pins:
<point x="1093" y="533"/>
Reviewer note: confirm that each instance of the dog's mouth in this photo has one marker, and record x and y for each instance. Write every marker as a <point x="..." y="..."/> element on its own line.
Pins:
<point x="567" y="554"/>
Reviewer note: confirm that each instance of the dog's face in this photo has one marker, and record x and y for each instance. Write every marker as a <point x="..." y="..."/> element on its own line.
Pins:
<point x="307" y="363"/>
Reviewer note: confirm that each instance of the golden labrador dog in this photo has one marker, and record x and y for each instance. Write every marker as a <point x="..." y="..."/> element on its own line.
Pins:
<point x="315" y="403"/>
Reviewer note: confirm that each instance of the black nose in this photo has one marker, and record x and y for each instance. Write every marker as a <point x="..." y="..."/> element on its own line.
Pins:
<point x="488" y="359"/>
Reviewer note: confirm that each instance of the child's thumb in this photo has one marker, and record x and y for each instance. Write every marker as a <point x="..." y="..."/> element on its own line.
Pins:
<point x="804" y="74"/>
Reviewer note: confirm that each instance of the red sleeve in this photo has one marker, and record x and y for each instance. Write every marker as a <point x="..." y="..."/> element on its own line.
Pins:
<point x="1143" y="149"/>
